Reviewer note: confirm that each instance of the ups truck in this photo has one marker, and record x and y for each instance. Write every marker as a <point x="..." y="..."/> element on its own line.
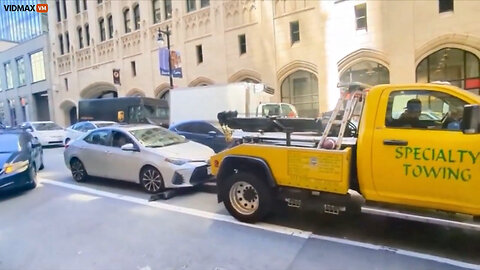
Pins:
<point x="415" y="155"/>
<point x="131" y="110"/>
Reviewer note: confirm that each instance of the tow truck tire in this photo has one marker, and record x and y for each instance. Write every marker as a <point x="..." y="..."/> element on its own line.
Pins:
<point x="247" y="197"/>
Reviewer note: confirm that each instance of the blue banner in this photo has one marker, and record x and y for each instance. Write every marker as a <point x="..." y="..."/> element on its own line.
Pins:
<point x="175" y="60"/>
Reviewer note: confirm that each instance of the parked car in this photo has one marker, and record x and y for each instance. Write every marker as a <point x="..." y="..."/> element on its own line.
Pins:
<point x="202" y="132"/>
<point x="152" y="156"/>
<point x="76" y="130"/>
<point x="21" y="156"/>
<point x="47" y="132"/>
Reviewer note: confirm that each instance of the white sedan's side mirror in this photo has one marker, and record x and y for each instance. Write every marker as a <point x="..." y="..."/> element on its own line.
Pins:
<point x="129" y="147"/>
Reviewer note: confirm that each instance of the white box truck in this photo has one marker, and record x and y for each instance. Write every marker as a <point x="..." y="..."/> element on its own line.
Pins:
<point x="205" y="102"/>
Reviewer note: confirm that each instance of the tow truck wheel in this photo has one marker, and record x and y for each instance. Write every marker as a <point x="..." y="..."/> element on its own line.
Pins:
<point x="249" y="198"/>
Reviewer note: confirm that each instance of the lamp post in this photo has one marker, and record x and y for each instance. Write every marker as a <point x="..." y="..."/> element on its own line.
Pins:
<point x="160" y="40"/>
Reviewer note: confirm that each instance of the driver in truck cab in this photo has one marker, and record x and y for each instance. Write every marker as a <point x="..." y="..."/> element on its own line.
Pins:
<point x="411" y="116"/>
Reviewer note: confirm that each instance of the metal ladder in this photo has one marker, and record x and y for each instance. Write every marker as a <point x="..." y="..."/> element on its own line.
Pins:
<point x="353" y="95"/>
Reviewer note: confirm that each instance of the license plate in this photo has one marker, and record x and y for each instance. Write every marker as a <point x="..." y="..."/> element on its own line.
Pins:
<point x="209" y="170"/>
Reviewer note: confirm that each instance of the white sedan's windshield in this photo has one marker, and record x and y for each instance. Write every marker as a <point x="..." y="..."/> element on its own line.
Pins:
<point x="156" y="137"/>
<point x="46" y="126"/>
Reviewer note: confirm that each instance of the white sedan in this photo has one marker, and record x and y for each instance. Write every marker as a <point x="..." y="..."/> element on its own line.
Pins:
<point x="76" y="130"/>
<point x="152" y="156"/>
<point x="46" y="132"/>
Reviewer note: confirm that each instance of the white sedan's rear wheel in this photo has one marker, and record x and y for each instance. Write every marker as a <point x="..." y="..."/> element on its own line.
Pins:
<point x="151" y="180"/>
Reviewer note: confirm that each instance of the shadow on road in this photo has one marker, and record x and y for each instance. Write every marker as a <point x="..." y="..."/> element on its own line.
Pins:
<point x="431" y="239"/>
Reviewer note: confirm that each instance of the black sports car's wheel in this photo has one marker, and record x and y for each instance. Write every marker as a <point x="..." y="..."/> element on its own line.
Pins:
<point x="32" y="177"/>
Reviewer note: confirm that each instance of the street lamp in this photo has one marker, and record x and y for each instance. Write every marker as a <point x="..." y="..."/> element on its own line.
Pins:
<point x="160" y="40"/>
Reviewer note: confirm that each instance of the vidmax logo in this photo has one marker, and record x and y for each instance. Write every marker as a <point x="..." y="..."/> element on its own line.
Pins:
<point x="38" y="8"/>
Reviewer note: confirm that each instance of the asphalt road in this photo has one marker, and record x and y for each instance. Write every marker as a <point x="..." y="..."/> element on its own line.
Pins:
<point x="106" y="224"/>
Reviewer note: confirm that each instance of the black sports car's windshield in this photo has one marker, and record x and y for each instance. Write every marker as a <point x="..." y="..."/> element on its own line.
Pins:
<point x="157" y="137"/>
<point x="9" y="143"/>
<point x="46" y="126"/>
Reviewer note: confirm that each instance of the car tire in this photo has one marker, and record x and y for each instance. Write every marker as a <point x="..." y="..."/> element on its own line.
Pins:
<point x="79" y="173"/>
<point x="247" y="197"/>
<point x="42" y="166"/>
<point x="151" y="180"/>
<point x="32" y="175"/>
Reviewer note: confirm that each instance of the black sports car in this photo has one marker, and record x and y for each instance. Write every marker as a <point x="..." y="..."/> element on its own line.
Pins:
<point x="21" y="156"/>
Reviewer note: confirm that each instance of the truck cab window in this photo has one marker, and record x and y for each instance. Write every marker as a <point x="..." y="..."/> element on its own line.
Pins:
<point x="424" y="110"/>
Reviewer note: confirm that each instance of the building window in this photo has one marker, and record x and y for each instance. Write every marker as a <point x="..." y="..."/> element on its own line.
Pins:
<point x="87" y="34"/>
<point x="199" y="54"/>
<point x="110" y="26"/>
<point x="460" y="68"/>
<point x="191" y="5"/>
<point x="8" y="75"/>
<point x="101" y="25"/>
<point x="242" y="44"/>
<point x="168" y="8"/>
<point x="60" y="44"/>
<point x="301" y="90"/>
<point x="445" y="6"/>
<point x="136" y="16"/>
<point x="80" y="37"/>
<point x="77" y="6"/>
<point x="156" y="11"/>
<point x="368" y="72"/>
<point x="84" y="4"/>
<point x="204" y="3"/>
<point x="294" y="32"/>
<point x="65" y="80"/>
<point x="134" y="68"/>
<point x="38" y="66"/>
<point x="67" y="41"/>
<point x="361" y="16"/>
<point x="126" y="20"/>
<point x="21" y="71"/>
<point x="57" y="7"/>
<point x="64" y="9"/>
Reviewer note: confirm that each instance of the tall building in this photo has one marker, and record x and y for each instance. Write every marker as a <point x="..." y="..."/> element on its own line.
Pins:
<point x="300" y="48"/>
<point x="24" y="70"/>
<point x="25" y="83"/>
<point x="19" y="26"/>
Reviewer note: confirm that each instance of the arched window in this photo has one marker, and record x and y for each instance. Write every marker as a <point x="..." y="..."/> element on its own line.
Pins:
<point x="126" y="20"/>
<point x="80" y="37"/>
<point x="110" y="26"/>
<point x="136" y="17"/>
<point x="60" y="44"/>
<point x="67" y="41"/>
<point x="301" y="90"/>
<point x="87" y="34"/>
<point x="156" y="11"/>
<point x="101" y="26"/>
<point x="368" y="72"/>
<point x="459" y="67"/>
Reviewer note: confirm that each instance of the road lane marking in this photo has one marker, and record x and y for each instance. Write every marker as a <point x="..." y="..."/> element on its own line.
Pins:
<point x="262" y="226"/>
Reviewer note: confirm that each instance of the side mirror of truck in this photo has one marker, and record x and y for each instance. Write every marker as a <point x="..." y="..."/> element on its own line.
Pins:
<point x="471" y="119"/>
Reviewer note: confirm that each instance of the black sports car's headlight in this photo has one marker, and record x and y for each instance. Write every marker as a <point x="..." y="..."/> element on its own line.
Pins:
<point x="15" y="167"/>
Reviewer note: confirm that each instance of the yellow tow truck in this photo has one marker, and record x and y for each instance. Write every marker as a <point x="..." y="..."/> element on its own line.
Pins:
<point x="413" y="152"/>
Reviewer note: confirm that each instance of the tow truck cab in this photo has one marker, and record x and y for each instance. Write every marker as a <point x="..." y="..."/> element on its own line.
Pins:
<point x="429" y="163"/>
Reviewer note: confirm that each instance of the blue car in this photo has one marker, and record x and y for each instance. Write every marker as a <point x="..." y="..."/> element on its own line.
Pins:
<point x="21" y="156"/>
<point x="202" y="132"/>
